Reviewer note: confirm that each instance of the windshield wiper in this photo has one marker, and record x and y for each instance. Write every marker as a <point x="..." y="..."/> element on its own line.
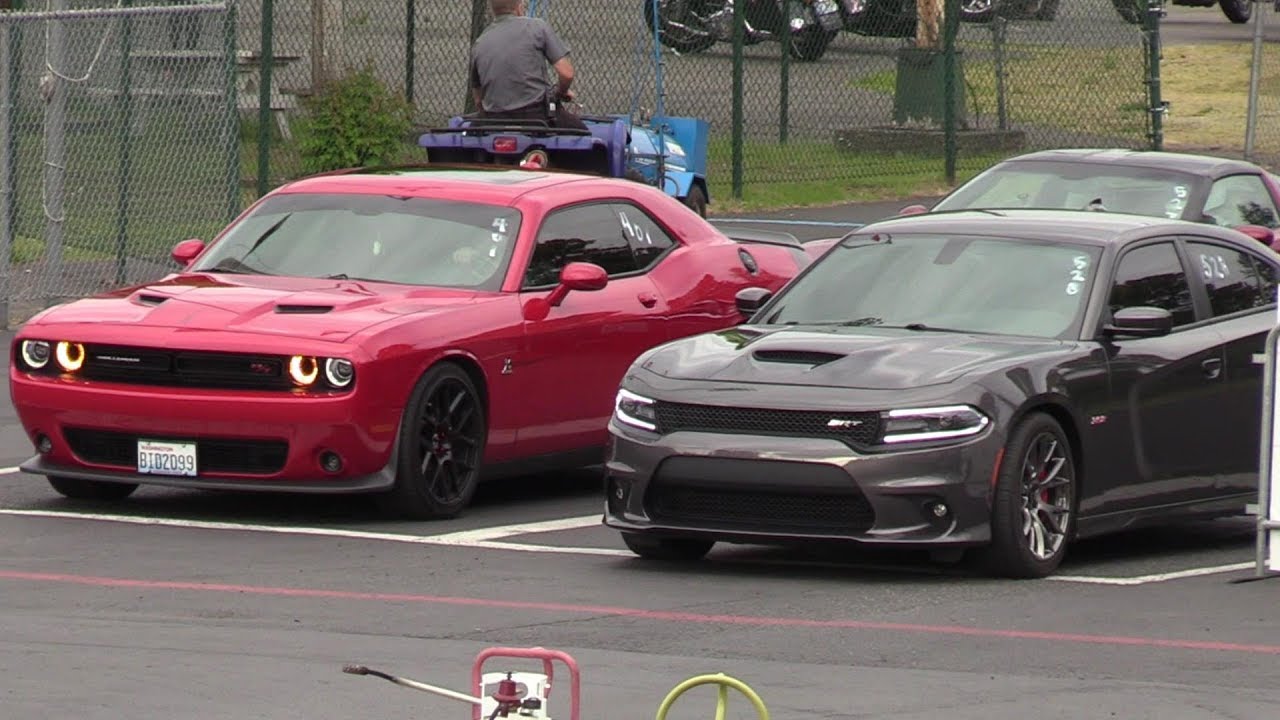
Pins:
<point x="232" y="266"/>
<point x="269" y="232"/>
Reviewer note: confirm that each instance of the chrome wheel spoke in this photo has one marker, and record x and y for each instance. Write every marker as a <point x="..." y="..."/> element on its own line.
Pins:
<point x="1046" y="496"/>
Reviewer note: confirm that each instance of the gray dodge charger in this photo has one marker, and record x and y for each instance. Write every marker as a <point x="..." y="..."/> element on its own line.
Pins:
<point x="1000" y="382"/>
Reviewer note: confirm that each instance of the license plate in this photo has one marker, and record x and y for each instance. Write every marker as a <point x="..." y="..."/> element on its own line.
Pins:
<point x="156" y="457"/>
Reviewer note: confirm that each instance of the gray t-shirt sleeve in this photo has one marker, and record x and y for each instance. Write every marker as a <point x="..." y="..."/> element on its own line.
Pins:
<point x="552" y="46"/>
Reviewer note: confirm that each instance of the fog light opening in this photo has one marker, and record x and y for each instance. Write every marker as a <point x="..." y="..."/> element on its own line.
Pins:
<point x="43" y="443"/>
<point x="939" y="509"/>
<point x="330" y="462"/>
<point x="617" y="491"/>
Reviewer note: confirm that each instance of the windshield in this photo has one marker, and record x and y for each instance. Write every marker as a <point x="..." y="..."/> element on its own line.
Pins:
<point x="381" y="238"/>
<point x="1074" y="186"/>
<point x="944" y="282"/>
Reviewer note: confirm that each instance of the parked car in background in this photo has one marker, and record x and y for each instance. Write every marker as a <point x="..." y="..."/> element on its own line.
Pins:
<point x="997" y="382"/>
<point x="405" y="332"/>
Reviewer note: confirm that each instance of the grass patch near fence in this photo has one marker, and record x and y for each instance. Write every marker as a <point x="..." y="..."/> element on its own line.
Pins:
<point x="1095" y="91"/>
<point x="811" y="173"/>
<point x="1207" y="87"/>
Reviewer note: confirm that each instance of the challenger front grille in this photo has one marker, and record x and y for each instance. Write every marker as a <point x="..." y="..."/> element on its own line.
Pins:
<point x="215" y="455"/>
<point x="178" y="368"/>
<point x="856" y="428"/>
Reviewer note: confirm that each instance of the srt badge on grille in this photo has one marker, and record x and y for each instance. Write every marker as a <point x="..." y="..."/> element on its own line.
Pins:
<point x="840" y="424"/>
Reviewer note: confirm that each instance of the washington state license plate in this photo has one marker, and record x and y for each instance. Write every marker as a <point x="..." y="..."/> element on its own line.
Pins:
<point x="156" y="457"/>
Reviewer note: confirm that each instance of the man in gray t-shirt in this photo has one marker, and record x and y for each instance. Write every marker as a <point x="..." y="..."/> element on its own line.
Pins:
<point x="508" y="68"/>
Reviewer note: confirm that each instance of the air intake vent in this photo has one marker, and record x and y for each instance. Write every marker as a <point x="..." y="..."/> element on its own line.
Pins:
<point x="303" y="309"/>
<point x="796" y="357"/>
<point x="151" y="299"/>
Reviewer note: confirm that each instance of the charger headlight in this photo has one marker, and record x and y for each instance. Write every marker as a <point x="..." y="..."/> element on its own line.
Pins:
<point x="635" y="410"/>
<point x="929" y="424"/>
<point x="70" y="356"/>
<point x="35" y="353"/>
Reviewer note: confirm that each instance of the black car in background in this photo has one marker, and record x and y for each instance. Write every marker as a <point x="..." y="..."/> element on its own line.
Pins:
<point x="996" y="381"/>
<point x="1198" y="188"/>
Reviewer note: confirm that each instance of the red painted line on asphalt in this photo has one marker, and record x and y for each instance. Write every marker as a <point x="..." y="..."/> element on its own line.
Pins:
<point x="661" y="615"/>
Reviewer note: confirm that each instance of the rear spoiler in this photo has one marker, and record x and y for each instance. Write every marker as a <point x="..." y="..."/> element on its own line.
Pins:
<point x="763" y="237"/>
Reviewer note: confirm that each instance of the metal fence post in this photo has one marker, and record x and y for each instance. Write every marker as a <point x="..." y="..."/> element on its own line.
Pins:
<point x="410" y="32"/>
<point x="124" y="173"/>
<point x="1156" y="104"/>
<point x="54" y="89"/>
<point x="1255" y="75"/>
<point x="232" y="111"/>
<point x="266" y="57"/>
<point x="739" y="23"/>
<point x="10" y="57"/>
<point x="784" y="82"/>
<point x="950" y="26"/>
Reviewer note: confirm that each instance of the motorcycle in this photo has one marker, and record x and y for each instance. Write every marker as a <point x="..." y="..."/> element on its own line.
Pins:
<point x="897" y="18"/>
<point x="1237" y="11"/>
<point x="693" y="26"/>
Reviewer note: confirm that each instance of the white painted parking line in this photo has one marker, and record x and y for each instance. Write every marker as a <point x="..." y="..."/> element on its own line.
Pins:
<point x="10" y="470"/>
<point x="1157" y="577"/>
<point x="491" y="538"/>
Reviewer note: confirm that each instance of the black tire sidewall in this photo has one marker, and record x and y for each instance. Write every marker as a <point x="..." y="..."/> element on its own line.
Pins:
<point x="78" y="489"/>
<point x="1008" y="553"/>
<point x="409" y="496"/>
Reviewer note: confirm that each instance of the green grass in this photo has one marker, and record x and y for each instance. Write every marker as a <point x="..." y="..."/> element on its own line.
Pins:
<point x="808" y="173"/>
<point x="1095" y="91"/>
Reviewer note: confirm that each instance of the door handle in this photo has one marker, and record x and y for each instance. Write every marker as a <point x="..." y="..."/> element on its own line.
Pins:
<point x="647" y="299"/>
<point x="1212" y="368"/>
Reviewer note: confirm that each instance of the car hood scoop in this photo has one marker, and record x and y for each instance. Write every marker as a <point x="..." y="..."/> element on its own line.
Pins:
<point x="866" y="358"/>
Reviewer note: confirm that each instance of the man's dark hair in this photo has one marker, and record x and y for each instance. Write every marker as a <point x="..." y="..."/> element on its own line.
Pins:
<point x="504" y="7"/>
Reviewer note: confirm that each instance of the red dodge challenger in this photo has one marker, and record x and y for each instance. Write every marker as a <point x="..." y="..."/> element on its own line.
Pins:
<point x="406" y="332"/>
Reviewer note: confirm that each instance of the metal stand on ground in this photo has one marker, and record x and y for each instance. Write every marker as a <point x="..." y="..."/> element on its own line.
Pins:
<point x="1267" y="511"/>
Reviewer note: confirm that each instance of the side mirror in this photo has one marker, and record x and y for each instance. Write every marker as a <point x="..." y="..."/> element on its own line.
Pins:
<point x="751" y="299"/>
<point x="913" y="210"/>
<point x="186" y="251"/>
<point x="580" y="276"/>
<point x="1140" y="322"/>
<point x="1264" y="235"/>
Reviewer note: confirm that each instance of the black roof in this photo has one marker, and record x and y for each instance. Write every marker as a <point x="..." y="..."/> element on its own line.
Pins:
<point x="1079" y="226"/>
<point x="1183" y="162"/>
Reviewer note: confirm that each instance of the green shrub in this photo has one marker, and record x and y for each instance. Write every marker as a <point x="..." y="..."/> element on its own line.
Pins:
<point x="352" y="122"/>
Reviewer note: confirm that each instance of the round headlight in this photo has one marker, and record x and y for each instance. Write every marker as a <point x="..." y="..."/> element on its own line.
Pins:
<point x="35" y="353"/>
<point x="303" y="370"/>
<point x="339" y="372"/>
<point x="70" y="356"/>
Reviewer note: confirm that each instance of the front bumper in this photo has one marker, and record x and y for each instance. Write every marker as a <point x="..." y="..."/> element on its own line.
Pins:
<point x="245" y="440"/>
<point x="767" y="489"/>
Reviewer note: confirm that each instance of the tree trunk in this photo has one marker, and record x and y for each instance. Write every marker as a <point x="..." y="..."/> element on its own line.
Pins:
<point x="929" y="24"/>
<point x="327" y="42"/>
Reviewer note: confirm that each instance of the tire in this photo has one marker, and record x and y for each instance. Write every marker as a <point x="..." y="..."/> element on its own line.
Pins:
<point x="697" y="200"/>
<point x="441" y="445"/>
<point x="667" y="549"/>
<point x="1131" y="11"/>
<point x="1237" y="11"/>
<point x="1013" y="551"/>
<point x="810" y="44"/>
<point x="682" y="41"/>
<point x="77" y="489"/>
<point x="978" y="11"/>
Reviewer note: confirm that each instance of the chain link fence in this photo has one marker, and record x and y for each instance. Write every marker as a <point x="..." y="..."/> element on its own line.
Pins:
<point x="131" y="124"/>
<point x="117" y="137"/>
<point x="1262" y="110"/>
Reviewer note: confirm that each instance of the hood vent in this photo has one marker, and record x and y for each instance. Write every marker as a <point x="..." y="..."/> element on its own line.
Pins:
<point x="148" y="299"/>
<point x="303" y="309"/>
<point x="796" y="357"/>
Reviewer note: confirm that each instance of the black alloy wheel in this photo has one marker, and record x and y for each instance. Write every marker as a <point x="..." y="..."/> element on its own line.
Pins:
<point x="1033" y="511"/>
<point x="442" y="441"/>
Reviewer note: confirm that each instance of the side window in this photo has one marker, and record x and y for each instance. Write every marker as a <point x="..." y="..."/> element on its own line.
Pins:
<point x="585" y="233"/>
<point x="1229" y="276"/>
<point x="1241" y="200"/>
<point x="1152" y="276"/>
<point x="648" y="239"/>
<point x="1268" y="278"/>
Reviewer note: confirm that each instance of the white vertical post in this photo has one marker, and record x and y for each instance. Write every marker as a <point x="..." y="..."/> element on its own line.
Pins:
<point x="1269" y="500"/>
<point x="55" y="153"/>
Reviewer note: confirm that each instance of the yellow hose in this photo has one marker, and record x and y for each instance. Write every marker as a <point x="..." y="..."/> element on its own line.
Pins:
<point x="722" y="702"/>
